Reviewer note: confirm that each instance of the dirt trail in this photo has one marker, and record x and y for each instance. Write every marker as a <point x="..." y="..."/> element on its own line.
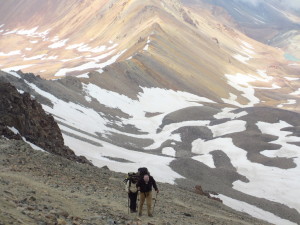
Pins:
<point x="40" y="188"/>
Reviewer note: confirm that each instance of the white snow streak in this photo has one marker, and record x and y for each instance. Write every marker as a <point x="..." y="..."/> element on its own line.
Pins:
<point x="17" y="52"/>
<point x="253" y="211"/>
<point x="59" y="44"/>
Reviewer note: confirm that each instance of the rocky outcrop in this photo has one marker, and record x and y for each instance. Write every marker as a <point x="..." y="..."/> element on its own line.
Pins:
<point x="199" y="190"/>
<point x="22" y="116"/>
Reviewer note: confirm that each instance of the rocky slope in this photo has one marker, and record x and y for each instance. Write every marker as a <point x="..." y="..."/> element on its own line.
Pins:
<point x="41" y="188"/>
<point x="22" y="116"/>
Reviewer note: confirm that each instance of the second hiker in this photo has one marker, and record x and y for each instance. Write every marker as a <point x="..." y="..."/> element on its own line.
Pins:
<point x="144" y="185"/>
<point x="131" y="189"/>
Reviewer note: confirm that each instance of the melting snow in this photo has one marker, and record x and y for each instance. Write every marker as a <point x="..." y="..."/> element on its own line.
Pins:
<point x="241" y="58"/>
<point x="226" y="113"/>
<point x="272" y="181"/>
<point x="247" y="44"/>
<point x="206" y="159"/>
<point x="228" y="128"/>
<point x="67" y="60"/>
<point x="169" y="151"/>
<point x="14" y="130"/>
<point x="158" y="165"/>
<point x="35" y="57"/>
<point x="14" y="74"/>
<point x="17" y="52"/>
<point x="289" y="102"/>
<point x="147" y="45"/>
<point x="253" y="211"/>
<point x="74" y="46"/>
<point x="27" y="32"/>
<point x="17" y="68"/>
<point x="85" y="75"/>
<point x="88" y="65"/>
<point x="59" y="44"/>
<point x="292" y="78"/>
<point x="10" y="32"/>
<point x="240" y="83"/>
<point x="296" y="92"/>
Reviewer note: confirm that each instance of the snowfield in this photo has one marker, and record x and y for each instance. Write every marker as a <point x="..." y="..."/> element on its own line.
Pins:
<point x="82" y="127"/>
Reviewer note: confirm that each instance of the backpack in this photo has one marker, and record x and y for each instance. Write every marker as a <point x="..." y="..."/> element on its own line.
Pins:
<point x="143" y="171"/>
<point x="131" y="177"/>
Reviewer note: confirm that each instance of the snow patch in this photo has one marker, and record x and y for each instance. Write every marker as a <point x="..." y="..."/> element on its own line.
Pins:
<point x="253" y="211"/>
<point x="14" y="130"/>
<point x="169" y="151"/>
<point x="292" y="78"/>
<point x="17" y="52"/>
<point x="229" y="127"/>
<point x="85" y="75"/>
<point x="35" y="57"/>
<point x="272" y="181"/>
<point x="206" y="159"/>
<point x="227" y="113"/>
<point x="59" y="44"/>
<point x="289" y="102"/>
<point x="17" y="68"/>
<point x="296" y="92"/>
<point x="158" y="165"/>
<point x="13" y="73"/>
<point x="241" y="58"/>
<point x="89" y="65"/>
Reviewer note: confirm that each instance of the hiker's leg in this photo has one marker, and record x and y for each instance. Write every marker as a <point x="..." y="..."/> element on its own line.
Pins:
<point x="149" y="203"/>
<point x="142" y="200"/>
<point x="133" y="201"/>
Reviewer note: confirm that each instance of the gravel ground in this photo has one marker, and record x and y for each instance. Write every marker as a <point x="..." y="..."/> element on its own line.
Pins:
<point x="41" y="188"/>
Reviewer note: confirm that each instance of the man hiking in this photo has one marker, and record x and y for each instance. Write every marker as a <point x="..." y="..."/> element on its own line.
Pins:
<point x="132" y="191"/>
<point x="144" y="185"/>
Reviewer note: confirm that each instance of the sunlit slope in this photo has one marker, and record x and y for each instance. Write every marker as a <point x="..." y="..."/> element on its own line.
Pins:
<point x="145" y="43"/>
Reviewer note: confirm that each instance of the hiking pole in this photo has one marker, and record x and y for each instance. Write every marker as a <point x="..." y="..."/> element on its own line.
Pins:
<point x="138" y="203"/>
<point x="128" y="204"/>
<point x="154" y="202"/>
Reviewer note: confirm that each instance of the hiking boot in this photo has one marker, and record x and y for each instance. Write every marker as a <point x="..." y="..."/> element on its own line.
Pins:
<point x="150" y="215"/>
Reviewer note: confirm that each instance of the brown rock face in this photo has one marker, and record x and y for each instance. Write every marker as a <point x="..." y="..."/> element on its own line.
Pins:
<point x="199" y="190"/>
<point x="28" y="117"/>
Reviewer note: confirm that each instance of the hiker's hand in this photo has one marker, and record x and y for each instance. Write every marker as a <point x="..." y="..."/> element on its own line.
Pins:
<point x="157" y="191"/>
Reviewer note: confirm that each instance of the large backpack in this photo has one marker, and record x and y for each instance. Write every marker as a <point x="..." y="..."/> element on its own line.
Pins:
<point x="143" y="171"/>
<point x="131" y="176"/>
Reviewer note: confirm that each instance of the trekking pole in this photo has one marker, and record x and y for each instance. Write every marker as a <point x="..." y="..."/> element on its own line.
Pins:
<point x="128" y="204"/>
<point x="138" y="202"/>
<point x="154" y="202"/>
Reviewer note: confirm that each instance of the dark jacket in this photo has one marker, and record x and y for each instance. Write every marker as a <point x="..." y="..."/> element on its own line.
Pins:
<point x="143" y="187"/>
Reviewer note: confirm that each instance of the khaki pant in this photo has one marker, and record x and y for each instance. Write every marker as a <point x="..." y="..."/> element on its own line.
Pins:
<point x="148" y="197"/>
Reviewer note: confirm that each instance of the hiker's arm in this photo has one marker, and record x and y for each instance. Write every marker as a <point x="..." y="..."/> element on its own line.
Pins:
<point x="155" y="186"/>
<point x="127" y="187"/>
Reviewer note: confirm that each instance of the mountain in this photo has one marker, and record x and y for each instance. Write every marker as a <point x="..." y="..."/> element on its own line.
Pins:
<point x="265" y="21"/>
<point x="23" y="118"/>
<point x="175" y="87"/>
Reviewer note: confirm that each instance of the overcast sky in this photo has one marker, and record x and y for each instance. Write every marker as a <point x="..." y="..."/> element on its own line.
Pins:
<point x="294" y="4"/>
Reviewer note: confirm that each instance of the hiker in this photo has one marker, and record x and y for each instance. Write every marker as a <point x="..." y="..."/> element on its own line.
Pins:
<point x="132" y="191"/>
<point x="144" y="185"/>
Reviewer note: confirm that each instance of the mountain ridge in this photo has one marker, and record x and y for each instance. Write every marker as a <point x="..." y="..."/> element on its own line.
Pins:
<point x="166" y="85"/>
